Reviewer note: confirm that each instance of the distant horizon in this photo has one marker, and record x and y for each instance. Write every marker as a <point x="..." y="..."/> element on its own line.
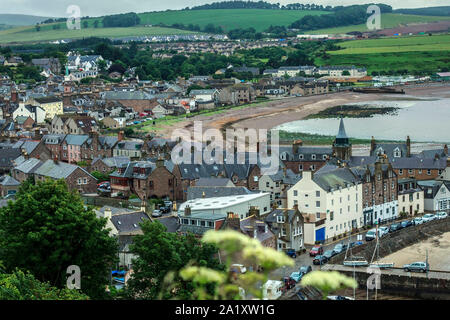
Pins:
<point x="31" y="8"/>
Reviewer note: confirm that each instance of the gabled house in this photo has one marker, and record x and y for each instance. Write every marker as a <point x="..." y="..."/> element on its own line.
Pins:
<point x="288" y="227"/>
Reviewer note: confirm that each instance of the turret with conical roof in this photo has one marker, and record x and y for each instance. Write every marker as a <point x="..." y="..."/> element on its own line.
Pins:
<point x="342" y="148"/>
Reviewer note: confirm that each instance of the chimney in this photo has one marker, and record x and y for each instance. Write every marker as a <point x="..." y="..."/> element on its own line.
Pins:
<point x="254" y="211"/>
<point x="107" y="213"/>
<point x="233" y="221"/>
<point x="296" y="207"/>
<point x="284" y="171"/>
<point x="295" y="145"/>
<point x="203" y="194"/>
<point x="187" y="211"/>
<point x="446" y="149"/>
<point x="37" y="134"/>
<point x="143" y="205"/>
<point x="55" y="159"/>
<point x="25" y="154"/>
<point x="160" y="162"/>
<point x="408" y="147"/>
<point x="372" y="145"/>
<point x="120" y="135"/>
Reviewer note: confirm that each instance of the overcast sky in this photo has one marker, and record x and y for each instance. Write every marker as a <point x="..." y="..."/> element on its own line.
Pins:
<point x="57" y="8"/>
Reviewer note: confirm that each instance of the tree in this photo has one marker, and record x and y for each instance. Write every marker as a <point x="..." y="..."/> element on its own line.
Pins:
<point x="85" y="24"/>
<point x="96" y="24"/>
<point x="100" y="176"/>
<point x="160" y="253"/>
<point x="345" y="73"/>
<point x="24" y="286"/>
<point x="48" y="229"/>
<point x="38" y="27"/>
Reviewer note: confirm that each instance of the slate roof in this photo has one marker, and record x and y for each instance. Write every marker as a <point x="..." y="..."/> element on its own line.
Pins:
<point x="126" y="95"/>
<point x="431" y="187"/>
<point x="307" y="153"/>
<point x="7" y="156"/>
<point x="29" y="166"/>
<point x="432" y="153"/>
<point x="7" y="180"/>
<point x="28" y="145"/>
<point x="252" y="223"/>
<point x="333" y="179"/>
<point x="113" y="162"/>
<point x="388" y="149"/>
<point x="59" y="170"/>
<point x="213" y="182"/>
<point x="76" y="139"/>
<point x="171" y="223"/>
<point x="211" y="192"/>
<point x="129" y="222"/>
<point x="48" y="99"/>
<point x="419" y="163"/>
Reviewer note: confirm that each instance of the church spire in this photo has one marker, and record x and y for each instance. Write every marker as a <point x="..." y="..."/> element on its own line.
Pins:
<point x="341" y="133"/>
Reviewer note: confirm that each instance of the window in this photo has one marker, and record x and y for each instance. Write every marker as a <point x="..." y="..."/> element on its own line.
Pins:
<point x="185" y="221"/>
<point x="313" y="157"/>
<point x="280" y="219"/>
<point x="324" y="157"/>
<point x="331" y="216"/>
<point x="317" y="204"/>
<point x="410" y="171"/>
<point x="300" y="167"/>
<point x="210" y="224"/>
<point x="301" y="157"/>
<point x="295" y="193"/>
<point x="313" y="167"/>
<point x="267" y="185"/>
<point x="428" y="172"/>
<point x="202" y="223"/>
<point x="400" y="171"/>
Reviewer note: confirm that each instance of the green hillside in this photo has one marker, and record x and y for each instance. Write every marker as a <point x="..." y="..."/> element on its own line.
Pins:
<point x="20" y="19"/>
<point x="228" y="19"/>
<point x="388" y="20"/>
<point x="29" y="34"/>
<point x="417" y="54"/>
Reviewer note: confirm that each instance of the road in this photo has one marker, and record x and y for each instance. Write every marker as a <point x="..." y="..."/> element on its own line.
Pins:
<point x="305" y="260"/>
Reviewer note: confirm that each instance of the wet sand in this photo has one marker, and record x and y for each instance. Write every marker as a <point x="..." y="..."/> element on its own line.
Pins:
<point x="267" y="115"/>
<point x="438" y="253"/>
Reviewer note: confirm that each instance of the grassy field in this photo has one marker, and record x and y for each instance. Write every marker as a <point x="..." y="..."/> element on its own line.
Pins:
<point x="417" y="53"/>
<point x="388" y="20"/>
<point x="399" y="44"/>
<point x="228" y="19"/>
<point x="29" y="34"/>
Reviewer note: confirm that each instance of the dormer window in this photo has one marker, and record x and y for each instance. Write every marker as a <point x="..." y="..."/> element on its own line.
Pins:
<point x="280" y="219"/>
<point x="313" y="157"/>
<point x="397" y="153"/>
<point x="301" y="157"/>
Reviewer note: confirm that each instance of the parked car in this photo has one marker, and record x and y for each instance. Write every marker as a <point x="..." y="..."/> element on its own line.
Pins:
<point x="315" y="251"/>
<point x="428" y="217"/>
<point x="320" y="259"/>
<point x="305" y="269"/>
<point x="394" y="227"/>
<point x="156" y="213"/>
<point x="340" y="247"/>
<point x="103" y="183"/>
<point x="417" y="221"/>
<point x="329" y="254"/>
<point x="296" y="276"/>
<point x="164" y="209"/>
<point x="372" y="234"/>
<point x="417" y="267"/>
<point x="238" y="268"/>
<point x="384" y="230"/>
<point x="168" y="203"/>
<point x="441" y="215"/>
<point x="406" y="224"/>
<point x="291" y="253"/>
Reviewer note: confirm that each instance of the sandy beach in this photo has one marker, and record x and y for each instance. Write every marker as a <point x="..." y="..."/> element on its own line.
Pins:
<point x="267" y="115"/>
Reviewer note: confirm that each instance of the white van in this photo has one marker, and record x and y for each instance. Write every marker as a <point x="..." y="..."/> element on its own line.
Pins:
<point x="372" y="234"/>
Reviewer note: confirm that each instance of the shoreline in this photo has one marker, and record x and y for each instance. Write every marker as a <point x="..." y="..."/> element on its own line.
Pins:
<point x="267" y="115"/>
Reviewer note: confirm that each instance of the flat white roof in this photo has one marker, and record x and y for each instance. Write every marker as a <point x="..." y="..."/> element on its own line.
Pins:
<point x="219" y="202"/>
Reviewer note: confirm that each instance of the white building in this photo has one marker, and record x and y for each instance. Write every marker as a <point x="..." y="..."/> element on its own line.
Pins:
<point x="222" y="205"/>
<point x="335" y="194"/>
<point x="35" y="112"/>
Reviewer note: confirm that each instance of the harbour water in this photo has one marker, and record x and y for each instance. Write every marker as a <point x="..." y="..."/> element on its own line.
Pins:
<point x="424" y="120"/>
